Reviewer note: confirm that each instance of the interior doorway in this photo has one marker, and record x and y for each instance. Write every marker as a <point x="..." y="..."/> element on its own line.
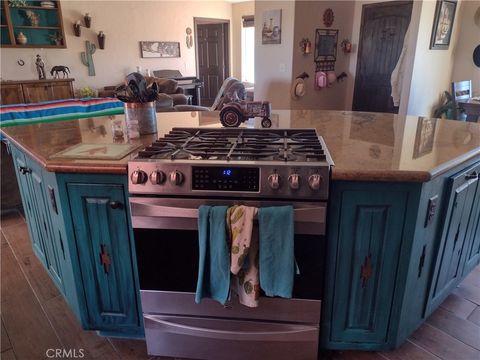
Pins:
<point x="382" y="33"/>
<point x="212" y="55"/>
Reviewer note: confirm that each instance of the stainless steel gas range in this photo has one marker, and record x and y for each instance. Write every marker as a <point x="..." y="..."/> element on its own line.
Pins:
<point x="190" y="167"/>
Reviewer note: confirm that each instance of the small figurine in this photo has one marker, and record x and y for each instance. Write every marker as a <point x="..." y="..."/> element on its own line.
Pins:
<point x="40" y="68"/>
<point x="234" y="113"/>
<point x="59" y="68"/>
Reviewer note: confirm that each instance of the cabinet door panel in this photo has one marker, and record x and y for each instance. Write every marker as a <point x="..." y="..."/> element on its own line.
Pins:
<point x="11" y="94"/>
<point x="62" y="90"/>
<point x="472" y="241"/>
<point x="104" y="254"/>
<point x="454" y="243"/>
<point x="30" y="205"/>
<point x="37" y="92"/>
<point x="370" y="233"/>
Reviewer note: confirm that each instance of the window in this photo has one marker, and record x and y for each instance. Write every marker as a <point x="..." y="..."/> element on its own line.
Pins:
<point x="248" y="50"/>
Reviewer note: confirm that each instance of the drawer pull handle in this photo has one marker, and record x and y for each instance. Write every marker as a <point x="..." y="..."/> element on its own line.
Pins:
<point x="104" y="258"/>
<point x="472" y="176"/>
<point x="24" y="170"/>
<point x="366" y="270"/>
<point x="115" y="204"/>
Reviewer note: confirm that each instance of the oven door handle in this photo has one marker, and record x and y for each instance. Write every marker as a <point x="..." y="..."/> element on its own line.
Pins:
<point x="292" y="332"/>
<point x="310" y="214"/>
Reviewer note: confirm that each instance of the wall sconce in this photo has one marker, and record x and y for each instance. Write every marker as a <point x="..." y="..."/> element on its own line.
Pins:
<point x="77" y="28"/>
<point x="346" y="46"/>
<point x="101" y="40"/>
<point x="306" y="46"/>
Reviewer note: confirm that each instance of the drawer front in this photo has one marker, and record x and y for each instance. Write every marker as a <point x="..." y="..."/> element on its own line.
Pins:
<point x="203" y="338"/>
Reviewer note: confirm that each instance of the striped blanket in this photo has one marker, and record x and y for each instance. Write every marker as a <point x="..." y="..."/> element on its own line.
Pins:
<point x="49" y="111"/>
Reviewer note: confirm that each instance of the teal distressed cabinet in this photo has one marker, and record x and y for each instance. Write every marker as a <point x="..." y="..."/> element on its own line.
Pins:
<point x="394" y="253"/>
<point x="101" y="226"/>
<point x="80" y="230"/>
<point x="37" y="197"/>
<point x="459" y="246"/>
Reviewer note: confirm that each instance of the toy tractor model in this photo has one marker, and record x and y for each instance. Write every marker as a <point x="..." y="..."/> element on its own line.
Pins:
<point x="234" y="113"/>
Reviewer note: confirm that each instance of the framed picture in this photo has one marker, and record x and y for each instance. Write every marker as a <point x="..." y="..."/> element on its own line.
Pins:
<point x="443" y="24"/>
<point x="425" y="137"/>
<point x="326" y="44"/>
<point x="272" y="27"/>
<point x="159" y="49"/>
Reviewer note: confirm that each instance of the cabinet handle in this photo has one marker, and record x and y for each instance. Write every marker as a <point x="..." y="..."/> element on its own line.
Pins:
<point x="421" y="263"/>
<point x="104" y="258"/>
<point x="115" y="204"/>
<point x="472" y="176"/>
<point x="24" y="170"/>
<point x="366" y="270"/>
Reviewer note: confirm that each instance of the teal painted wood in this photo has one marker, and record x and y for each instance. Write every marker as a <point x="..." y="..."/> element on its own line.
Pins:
<point x="110" y="291"/>
<point x="370" y="234"/>
<point x="53" y="248"/>
<point x="30" y="205"/>
<point x="451" y="256"/>
<point x="472" y="240"/>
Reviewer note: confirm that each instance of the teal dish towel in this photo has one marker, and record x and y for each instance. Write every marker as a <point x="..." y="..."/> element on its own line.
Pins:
<point x="276" y="258"/>
<point x="214" y="255"/>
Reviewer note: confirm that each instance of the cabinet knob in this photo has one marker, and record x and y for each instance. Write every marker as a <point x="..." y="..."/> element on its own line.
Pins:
<point x="24" y="170"/>
<point x="115" y="204"/>
<point x="472" y="176"/>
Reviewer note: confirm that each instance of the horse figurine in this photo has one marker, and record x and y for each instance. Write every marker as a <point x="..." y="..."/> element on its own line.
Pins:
<point x="59" y="68"/>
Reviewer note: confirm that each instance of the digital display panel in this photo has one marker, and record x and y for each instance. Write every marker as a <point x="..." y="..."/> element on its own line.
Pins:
<point x="225" y="178"/>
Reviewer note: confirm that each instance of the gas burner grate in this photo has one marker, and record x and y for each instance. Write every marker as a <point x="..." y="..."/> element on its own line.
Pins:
<point x="237" y="144"/>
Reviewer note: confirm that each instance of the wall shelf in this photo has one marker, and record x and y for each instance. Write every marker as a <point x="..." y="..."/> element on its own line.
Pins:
<point x="48" y="34"/>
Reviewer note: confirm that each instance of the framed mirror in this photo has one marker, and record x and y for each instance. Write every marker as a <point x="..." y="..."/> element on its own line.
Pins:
<point x="326" y="44"/>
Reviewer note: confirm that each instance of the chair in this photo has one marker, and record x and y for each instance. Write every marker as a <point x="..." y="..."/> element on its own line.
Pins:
<point x="461" y="92"/>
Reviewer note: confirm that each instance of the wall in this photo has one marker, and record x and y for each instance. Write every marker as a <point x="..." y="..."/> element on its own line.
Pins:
<point x="273" y="62"/>
<point x="432" y="69"/>
<point x="125" y="23"/>
<point x="239" y="10"/>
<point x="464" y="68"/>
<point x="308" y="18"/>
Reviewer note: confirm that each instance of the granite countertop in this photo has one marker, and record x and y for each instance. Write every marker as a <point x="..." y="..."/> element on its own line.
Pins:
<point x="364" y="146"/>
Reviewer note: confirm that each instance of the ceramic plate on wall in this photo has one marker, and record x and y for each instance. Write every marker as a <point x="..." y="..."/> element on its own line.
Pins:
<point x="476" y="56"/>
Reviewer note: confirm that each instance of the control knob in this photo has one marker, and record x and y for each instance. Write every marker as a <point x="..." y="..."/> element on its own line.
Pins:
<point x="294" y="181"/>
<point x="176" y="178"/>
<point x="274" y="181"/>
<point x="157" y="177"/>
<point x="139" y="177"/>
<point x="314" y="181"/>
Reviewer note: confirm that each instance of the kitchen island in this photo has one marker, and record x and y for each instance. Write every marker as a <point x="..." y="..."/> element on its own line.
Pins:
<point x="403" y="218"/>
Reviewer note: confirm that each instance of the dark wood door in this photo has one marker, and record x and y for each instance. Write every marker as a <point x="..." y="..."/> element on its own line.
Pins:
<point x="381" y="39"/>
<point x="212" y="59"/>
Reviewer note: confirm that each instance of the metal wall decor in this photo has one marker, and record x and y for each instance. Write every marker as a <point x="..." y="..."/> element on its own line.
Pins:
<point x="189" y="38"/>
<point x="328" y="17"/>
<point x="326" y="45"/>
<point x="160" y="49"/>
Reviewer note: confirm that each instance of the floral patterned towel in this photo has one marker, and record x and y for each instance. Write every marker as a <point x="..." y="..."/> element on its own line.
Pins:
<point x="244" y="254"/>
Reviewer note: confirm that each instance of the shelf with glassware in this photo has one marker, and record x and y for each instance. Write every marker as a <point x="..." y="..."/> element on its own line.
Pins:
<point x="32" y="25"/>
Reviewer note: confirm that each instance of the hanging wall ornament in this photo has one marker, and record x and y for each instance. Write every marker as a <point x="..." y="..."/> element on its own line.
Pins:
<point x="189" y="38"/>
<point x="328" y="17"/>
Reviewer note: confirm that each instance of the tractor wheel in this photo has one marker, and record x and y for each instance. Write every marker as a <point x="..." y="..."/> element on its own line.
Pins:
<point x="266" y="123"/>
<point x="230" y="117"/>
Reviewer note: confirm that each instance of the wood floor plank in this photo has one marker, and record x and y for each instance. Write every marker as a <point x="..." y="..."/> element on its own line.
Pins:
<point x="10" y="219"/>
<point x="442" y="345"/>
<point x="357" y="355"/>
<point x="463" y="330"/>
<point x="135" y="350"/>
<point x="19" y="240"/>
<point x="410" y="351"/>
<point x="27" y="326"/>
<point x="475" y="316"/>
<point x="5" y="340"/>
<point x="469" y="292"/>
<point x="459" y="306"/>
<point x="73" y="336"/>
<point x="473" y="279"/>
<point x="8" y="355"/>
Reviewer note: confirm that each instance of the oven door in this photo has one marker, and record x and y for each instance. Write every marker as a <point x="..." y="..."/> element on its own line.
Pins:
<point x="166" y="239"/>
